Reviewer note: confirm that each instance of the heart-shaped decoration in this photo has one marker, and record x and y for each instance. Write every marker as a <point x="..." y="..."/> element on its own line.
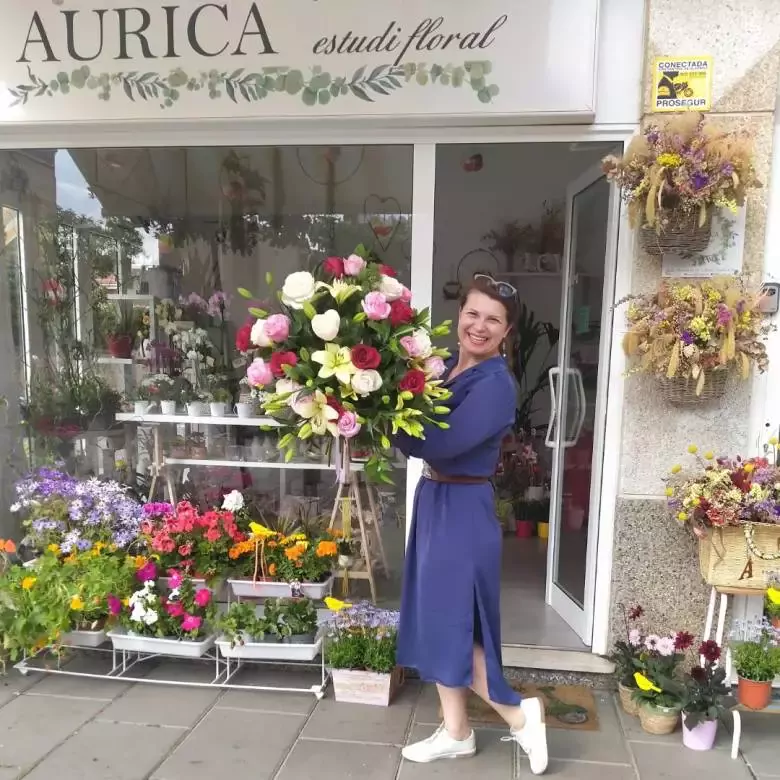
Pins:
<point x="326" y="325"/>
<point x="383" y="215"/>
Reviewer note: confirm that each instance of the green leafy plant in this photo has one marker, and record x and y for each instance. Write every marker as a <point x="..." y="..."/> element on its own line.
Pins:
<point x="293" y="617"/>
<point x="241" y="622"/>
<point x="757" y="660"/>
<point x="221" y="395"/>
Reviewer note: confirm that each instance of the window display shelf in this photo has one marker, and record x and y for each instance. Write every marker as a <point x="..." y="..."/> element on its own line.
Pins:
<point x="130" y="297"/>
<point x="150" y="418"/>
<point x="107" y="360"/>
<point x="257" y="464"/>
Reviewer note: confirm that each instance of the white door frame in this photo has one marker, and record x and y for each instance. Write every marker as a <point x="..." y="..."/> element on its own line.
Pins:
<point x="264" y="132"/>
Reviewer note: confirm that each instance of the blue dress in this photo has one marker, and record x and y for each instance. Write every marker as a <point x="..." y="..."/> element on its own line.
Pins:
<point x="451" y="586"/>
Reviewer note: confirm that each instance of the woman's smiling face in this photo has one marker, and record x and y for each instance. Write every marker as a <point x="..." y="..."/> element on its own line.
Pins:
<point x="482" y="326"/>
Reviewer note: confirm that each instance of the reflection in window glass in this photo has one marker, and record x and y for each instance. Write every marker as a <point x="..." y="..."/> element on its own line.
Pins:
<point x="136" y="257"/>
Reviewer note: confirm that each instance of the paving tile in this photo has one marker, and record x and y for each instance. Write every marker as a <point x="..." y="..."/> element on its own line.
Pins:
<point x="758" y="743"/>
<point x="165" y="705"/>
<point x="576" y="770"/>
<point x="363" y="722"/>
<point x="86" y="687"/>
<point x="31" y="726"/>
<point x="493" y="761"/>
<point x="14" y="683"/>
<point x="108" y="751"/>
<point x="9" y="774"/>
<point x="234" y="743"/>
<point x="667" y="762"/>
<point x="269" y="701"/>
<point x="427" y="710"/>
<point x="337" y="761"/>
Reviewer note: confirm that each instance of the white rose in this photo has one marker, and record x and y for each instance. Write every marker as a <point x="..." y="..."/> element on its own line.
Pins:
<point x="233" y="501"/>
<point x="299" y="288"/>
<point x="326" y="326"/>
<point x="366" y="381"/>
<point x="423" y="341"/>
<point x="257" y="336"/>
<point x="391" y="288"/>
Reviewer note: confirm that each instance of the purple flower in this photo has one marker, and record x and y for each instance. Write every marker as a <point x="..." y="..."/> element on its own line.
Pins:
<point x="727" y="169"/>
<point x="687" y="337"/>
<point x="724" y="315"/>
<point x="700" y="180"/>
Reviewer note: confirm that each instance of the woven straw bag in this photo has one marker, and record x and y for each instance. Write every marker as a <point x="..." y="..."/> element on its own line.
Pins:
<point x="682" y="236"/>
<point x="681" y="390"/>
<point x="740" y="556"/>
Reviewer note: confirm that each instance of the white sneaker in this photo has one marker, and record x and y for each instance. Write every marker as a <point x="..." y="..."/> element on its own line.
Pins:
<point x="440" y="745"/>
<point x="532" y="738"/>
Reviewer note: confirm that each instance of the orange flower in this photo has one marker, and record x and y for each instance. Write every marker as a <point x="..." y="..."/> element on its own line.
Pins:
<point x="272" y="570"/>
<point x="242" y="547"/>
<point x="9" y="546"/>
<point x="295" y="552"/>
<point x="139" y="561"/>
<point x="326" y="549"/>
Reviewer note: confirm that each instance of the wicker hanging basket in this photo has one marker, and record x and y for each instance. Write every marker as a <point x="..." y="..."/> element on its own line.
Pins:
<point x="681" y="390"/>
<point x="682" y="236"/>
<point x="740" y="556"/>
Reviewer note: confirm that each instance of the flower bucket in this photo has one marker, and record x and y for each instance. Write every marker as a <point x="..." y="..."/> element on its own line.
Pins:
<point x="218" y="409"/>
<point x="658" y="720"/>
<point x="168" y="407"/>
<point x="245" y="410"/>
<point x="682" y="236"/>
<point x="701" y="736"/>
<point x="627" y="701"/>
<point x="524" y="529"/>
<point x="140" y="408"/>
<point x="197" y="409"/>
<point x="120" y="346"/>
<point x="740" y="556"/>
<point x="353" y="686"/>
<point x="754" y="695"/>
<point x="682" y="391"/>
<point x="346" y="561"/>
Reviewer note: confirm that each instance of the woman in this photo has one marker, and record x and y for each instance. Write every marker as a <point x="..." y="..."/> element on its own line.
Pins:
<point x="450" y="625"/>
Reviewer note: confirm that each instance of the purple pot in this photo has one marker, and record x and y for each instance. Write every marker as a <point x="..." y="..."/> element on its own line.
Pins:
<point x="701" y="737"/>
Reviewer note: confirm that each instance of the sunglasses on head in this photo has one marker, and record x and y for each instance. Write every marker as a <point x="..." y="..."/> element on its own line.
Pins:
<point x="504" y="289"/>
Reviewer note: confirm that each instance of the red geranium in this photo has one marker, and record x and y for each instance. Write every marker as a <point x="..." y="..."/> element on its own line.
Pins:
<point x="401" y="313"/>
<point x="334" y="266"/>
<point x="365" y="357"/>
<point x="243" y="337"/>
<point x="281" y="359"/>
<point x="413" y="381"/>
<point x="387" y="270"/>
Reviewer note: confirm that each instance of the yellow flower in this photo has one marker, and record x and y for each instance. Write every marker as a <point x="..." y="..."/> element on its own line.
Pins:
<point x="709" y="455"/>
<point x="676" y="469"/>
<point x="693" y="449"/>
<point x="748" y="468"/>
<point x="28" y="582"/>
<point x="773" y="441"/>
<point x="53" y="548"/>
<point x="773" y="594"/>
<point x="669" y="492"/>
<point x="125" y="602"/>
<point x="644" y="684"/>
<point x="696" y="502"/>
<point x="335" y="605"/>
<point x="682" y="517"/>
<point x="669" y="160"/>
<point x="76" y="603"/>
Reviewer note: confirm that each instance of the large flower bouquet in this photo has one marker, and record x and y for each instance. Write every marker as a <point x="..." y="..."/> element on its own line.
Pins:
<point x="75" y="514"/>
<point x="683" y="168"/>
<point x="184" y="539"/>
<point x="719" y="492"/>
<point x="688" y="330"/>
<point x="348" y="356"/>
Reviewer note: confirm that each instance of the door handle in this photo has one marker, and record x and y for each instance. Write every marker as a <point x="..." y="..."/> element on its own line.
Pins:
<point x="582" y="403"/>
<point x="549" y="439"/>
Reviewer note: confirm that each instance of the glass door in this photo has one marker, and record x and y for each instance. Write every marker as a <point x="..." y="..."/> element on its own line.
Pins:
<point x="578" y="404"/>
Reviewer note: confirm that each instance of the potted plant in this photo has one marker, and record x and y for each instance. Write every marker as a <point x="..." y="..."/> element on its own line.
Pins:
<point x="772" y="603"/>
<point x="196" y="446"/>
<point x="221" y="398"/>
<point x="295" y="617"/>
<point x="193" y="399"/>
<point x="692" y="336"/>
<point x="240" y="624"/>
<point x="361" y="652"/>
<point x="675" y="174"/>
<point x="705" y="698"/>
<point x="626" y="657"/>
<point x="164" y="390"/>
<point x="121" y="332"/>
<point x="346" y="551"/>
<point x="179" y="623"/>
<point x="757" y="662"/>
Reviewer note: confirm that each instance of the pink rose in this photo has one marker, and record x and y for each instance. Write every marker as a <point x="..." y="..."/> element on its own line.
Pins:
<point x="406" y="295"/>
<point x="375" y="306"/>
<point x="434" y="367"/>
<point x="277" y="327"/>
<point x="410" y="345"/>
<point x="202" y="597"/>
<point x="191" y="623"/>
<point x="348" y="425"/>
<point x="259" y="373"/>
<point x="353" y="265"/>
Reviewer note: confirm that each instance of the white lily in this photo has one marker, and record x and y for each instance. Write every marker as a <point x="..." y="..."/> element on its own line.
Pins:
<point x="340" y="290"/>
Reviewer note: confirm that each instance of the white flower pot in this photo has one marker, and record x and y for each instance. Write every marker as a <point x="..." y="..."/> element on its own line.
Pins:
<point x="249" y="589"/>
<point x="140" y="408"/>
<point x="218" y="408"/>
<point x="168" y="407"/>
<point x="245" y="410"/>
<point x="196" y="409"/>
<point x="180" y="648"/>
<point x="84" y="638"/>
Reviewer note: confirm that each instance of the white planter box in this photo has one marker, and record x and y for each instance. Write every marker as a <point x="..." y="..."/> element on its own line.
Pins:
<point x="181" y="648"/>
<point x="249" y="589"/>
<point x="270" y="651"/>
<point x="84" y="638"/>
<point x="352" y="686"/>
<point x="218" y="589"/>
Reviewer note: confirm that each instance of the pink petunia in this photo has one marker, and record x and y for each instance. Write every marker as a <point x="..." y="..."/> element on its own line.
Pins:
<point x="202" y="597"/>
<point x="147" y="572"/>
<point x="174" y="609"/>
<point x="174" y="578"/>
<point x="114" y="605"/>
<point x="191" y="623"/>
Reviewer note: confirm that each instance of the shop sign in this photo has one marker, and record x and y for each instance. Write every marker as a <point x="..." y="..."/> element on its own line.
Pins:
<point x="682" y="84"/>
<point x="102" y="60"/>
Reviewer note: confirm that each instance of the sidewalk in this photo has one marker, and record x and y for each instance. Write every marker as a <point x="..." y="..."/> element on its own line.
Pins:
<point x="81" y="729"/>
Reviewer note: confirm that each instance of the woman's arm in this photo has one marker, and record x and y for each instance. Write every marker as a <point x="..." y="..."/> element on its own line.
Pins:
<point x="487" y="409"/>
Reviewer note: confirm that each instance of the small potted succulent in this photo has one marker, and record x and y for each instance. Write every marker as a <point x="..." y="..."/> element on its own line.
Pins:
<point x="757" y="662"/>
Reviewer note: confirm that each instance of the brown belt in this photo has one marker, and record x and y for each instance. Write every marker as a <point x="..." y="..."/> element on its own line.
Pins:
<point x="448" y="479"/>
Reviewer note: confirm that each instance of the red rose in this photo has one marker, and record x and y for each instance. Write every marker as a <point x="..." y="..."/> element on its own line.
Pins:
<point x="364" y="357"/>
<point x="333" y="266"/>
<point x="413" y="381"/>
<point x="401" y="313"/>
<point x="387" y="270"/>
<point x="281" y="359"/>
<point x="243" y="338"/>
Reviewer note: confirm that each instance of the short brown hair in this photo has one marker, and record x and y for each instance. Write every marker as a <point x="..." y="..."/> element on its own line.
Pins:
<point x="483" y="286"/>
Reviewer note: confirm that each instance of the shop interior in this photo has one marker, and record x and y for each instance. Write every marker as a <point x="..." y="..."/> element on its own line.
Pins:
<point x="156" y="242"/>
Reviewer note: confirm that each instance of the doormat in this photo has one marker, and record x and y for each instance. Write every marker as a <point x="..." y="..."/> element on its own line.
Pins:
<point x="566" y="706"/>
